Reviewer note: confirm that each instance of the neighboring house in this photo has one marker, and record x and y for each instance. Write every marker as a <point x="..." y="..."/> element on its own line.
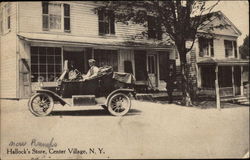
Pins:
<point x="217" y="57"/>
<point x="37" y="37"/>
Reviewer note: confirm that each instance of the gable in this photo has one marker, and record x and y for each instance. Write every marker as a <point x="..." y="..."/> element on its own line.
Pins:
<point x="220" y="20"/>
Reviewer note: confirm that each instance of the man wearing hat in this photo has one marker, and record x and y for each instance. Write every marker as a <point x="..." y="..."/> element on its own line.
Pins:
<point x="93" y="71"/>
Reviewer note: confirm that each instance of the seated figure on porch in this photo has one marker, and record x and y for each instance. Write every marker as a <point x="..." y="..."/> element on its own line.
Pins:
<point x="93" y="71"/>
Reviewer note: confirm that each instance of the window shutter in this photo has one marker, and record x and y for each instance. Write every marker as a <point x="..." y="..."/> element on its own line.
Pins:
<point x="212" y="47"/>
<point x="101" y="22"/>
<point x="149" y="27"/>
<point x="8" y="15"/>
<point x="225" y="45"/>
<point x="201" y="54"/>
<point x="235" y="49"/>
<point x="45" y="12"/>
<point x="66" y="17"/>
<point x="1" y="21"/>
<point x="159" y="33"/>
<point x="159" y="30"/>
<point x="112" y="22"/>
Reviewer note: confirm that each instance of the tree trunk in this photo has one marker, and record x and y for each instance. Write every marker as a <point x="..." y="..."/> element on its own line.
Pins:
<point x="186" y="100"/>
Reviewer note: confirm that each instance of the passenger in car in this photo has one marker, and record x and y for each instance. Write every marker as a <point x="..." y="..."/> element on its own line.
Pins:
<point x="93" y="71"/>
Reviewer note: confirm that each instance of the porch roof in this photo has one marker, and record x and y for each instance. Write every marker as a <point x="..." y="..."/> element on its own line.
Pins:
<point x="224" y="62"/>
<point x="92" y="41"/>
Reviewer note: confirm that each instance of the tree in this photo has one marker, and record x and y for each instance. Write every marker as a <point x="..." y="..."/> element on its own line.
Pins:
<point x="179" y="19"/>
<point x="244" y="48"/>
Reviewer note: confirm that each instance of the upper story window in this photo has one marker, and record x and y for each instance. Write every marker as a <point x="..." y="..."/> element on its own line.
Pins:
<point x="206" y="47"/>
<point x="56" y="17"/>
<point x="106" y="19"/>
<point x="5" y="18"/>
<point x="154" y="30"/>
<point x="230" y="48"/>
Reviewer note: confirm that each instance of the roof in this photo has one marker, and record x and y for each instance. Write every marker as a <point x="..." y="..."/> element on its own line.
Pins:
<point x="91" y="41"/>
<point x="211" y="17"/>
<point x="223" y="62"/>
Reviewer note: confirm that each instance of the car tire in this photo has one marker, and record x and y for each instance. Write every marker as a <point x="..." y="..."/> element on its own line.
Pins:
<point x="41" y="104"/>
<point x="119" y="104"/>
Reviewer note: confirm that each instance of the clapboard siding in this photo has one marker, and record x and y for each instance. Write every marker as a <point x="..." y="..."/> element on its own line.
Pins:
<point x="30" y="15"/>
<point x="8" y="67"/>
<point x="219" y="47"/>
<point x="84" y="21"/>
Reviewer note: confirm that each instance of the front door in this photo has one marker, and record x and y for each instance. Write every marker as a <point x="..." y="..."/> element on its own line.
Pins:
<point x="140" y="65"/>
<point x="152" y="70"/>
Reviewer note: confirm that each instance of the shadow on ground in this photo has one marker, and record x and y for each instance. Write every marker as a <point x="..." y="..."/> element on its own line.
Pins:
<point x="94" y="112"/>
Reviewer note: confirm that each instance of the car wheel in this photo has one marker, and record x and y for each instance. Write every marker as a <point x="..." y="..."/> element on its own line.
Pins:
<point x="41" y="104"/>
<point x="119" y="104"/>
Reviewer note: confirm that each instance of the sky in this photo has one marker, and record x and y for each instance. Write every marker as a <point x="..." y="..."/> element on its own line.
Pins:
<point x="238" y="13"/>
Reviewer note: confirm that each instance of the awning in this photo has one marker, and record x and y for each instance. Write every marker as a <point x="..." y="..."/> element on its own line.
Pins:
<point x="92" y="41"/>
<point x="224" y="62"/>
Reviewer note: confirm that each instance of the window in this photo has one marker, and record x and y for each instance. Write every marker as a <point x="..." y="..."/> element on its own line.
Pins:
<point x="206" y="47"/>
<point x="56" y="17"/>
<point x="5" y="19"/>
<point x="46" y="64"/>
<point x="106" y="20"/>
<point x="230" y="48"/>
<point x="154" y="28"/>
<point x="106" y="57"/>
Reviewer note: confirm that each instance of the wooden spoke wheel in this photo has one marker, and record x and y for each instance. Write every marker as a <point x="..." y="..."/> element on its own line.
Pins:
<point x="41" y="104"/>
<point x="119" y="104"/>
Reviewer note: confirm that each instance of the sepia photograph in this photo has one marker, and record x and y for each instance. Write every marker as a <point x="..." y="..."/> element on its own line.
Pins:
<point x="160" y="79"/>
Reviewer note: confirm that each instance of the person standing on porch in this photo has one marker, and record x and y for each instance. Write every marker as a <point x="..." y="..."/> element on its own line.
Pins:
<point x="93" y="71"/>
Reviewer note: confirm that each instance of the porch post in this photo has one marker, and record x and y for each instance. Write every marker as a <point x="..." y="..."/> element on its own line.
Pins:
<point x="199" y="76"/>
<point x="241" y="81"/>
<point x="217" y="90"/>
<point x="233" y="80"/>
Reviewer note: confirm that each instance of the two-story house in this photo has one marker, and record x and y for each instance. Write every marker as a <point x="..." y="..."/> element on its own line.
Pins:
<point x="217" y="58"/>
<point x="37" y="38"/>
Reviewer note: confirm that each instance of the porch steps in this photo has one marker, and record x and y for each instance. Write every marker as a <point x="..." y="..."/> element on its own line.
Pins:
<point x="242" y="100"/>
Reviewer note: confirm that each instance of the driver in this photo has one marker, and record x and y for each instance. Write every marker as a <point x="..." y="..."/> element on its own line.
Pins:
<point x="93" y="71"/>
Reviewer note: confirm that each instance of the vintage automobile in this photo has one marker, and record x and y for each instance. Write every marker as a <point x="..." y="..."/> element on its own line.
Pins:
<point x="111" y="90"/>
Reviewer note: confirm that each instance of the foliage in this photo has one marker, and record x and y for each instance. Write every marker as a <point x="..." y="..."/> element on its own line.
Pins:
<point x="244" y="48"/>
<point x="179" y="19"/>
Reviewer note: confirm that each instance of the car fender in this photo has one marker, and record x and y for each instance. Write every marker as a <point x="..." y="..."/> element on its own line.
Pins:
<point x="124" y="90"/>
<point x="55" y="96"/>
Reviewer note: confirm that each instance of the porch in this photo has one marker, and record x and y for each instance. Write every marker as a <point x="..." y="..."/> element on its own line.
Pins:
<point x="42" y="58"/>
<point x="223" y="78"/>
